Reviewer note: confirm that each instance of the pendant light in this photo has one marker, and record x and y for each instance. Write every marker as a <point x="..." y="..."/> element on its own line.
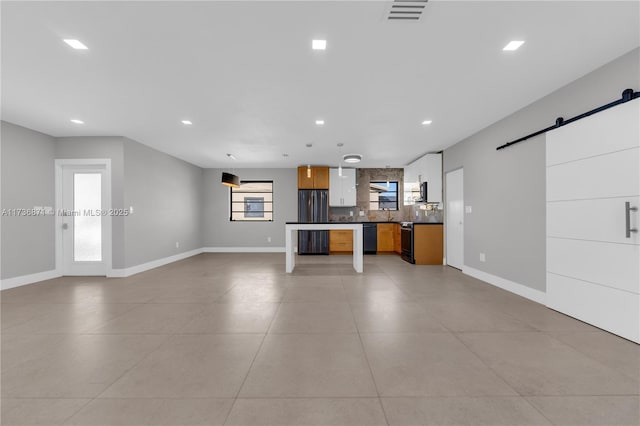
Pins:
<point x="229" y="179"/>
<point x="340" y="145"/>
<point x="308" y="171"/>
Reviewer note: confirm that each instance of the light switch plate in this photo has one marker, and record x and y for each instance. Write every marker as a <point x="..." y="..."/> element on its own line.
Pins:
<point x="361" y="212"/>
<point x="468" y="209"/>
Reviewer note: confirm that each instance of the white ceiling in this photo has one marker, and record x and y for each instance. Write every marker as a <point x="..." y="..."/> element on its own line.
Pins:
<point x="245" y="74"/>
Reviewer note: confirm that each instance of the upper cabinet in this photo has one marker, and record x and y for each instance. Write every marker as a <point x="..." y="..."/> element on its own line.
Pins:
<point x="313" y="177"/>
<point x="342" y="189"/>
<point x="427" y="168"/>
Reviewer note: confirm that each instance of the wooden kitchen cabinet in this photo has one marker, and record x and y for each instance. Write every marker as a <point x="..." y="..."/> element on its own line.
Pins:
<point x="428" y="244"/>
<point x="397" y="238"/>
<point x="385" y="237"/>
<point x="340" y="241"/>
<point x="317" y="179"/>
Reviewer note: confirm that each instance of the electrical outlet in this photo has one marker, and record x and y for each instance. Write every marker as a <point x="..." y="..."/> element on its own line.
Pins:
<point x="351" y="213"/>
<point x="268" y="239"/>
<point x="483" y="258"/>
<point x="361" y="213"/>
<point x="177" y="244"/>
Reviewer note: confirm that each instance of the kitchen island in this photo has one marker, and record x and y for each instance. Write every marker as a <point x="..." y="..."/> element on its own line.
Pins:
<point x="356" y="227"/>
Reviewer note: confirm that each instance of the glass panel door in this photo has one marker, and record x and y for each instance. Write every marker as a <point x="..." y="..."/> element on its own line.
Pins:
<point x="87" y="227"/>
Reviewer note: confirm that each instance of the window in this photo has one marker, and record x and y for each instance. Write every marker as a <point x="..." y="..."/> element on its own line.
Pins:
<point x="383" y="195"/>
<point x="252" y="202"/>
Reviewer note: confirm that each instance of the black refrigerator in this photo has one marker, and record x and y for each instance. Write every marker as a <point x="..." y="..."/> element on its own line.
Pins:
<point x="313" y="207"/>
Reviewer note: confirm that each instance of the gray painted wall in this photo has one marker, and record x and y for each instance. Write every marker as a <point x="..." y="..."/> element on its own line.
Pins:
<point x="506" y="188"/>
<point x="28" y="243"/>
<point x="166" y="196"/>
<point x="219" y="231"/>
<point x="103" y="147"/>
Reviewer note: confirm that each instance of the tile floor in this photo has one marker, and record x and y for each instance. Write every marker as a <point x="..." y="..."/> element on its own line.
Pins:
<point x="231" y="339"/>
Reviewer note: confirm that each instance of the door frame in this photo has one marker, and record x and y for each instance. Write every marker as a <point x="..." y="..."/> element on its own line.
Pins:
<point x="60" y="164"/>
<point x="446" y="221"/>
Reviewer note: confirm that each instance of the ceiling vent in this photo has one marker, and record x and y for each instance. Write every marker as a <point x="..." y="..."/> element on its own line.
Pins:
<point x="406" y="10"/>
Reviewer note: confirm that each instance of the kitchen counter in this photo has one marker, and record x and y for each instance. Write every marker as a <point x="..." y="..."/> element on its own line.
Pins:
<point x="292" y="227"/>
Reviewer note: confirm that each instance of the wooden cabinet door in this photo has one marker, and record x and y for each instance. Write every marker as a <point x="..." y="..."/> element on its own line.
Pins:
<point x="427" y="244"/>
<point x="305" y="182"/>
<point x="341" y="240"/>
<point x="320" y="177"/>
<point x="397" y="238"/>
<point x="385" y="237"/>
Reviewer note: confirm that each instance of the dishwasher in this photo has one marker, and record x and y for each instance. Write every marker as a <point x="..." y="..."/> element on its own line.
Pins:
<point x="370" y="238"/>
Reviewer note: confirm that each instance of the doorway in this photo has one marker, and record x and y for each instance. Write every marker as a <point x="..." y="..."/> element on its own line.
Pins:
<point x="454" y="220"/>
<point x="83" y="217"/>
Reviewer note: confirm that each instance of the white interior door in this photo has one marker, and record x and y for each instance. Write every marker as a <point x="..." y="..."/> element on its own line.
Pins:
<point x="593" y="255"/>
<point x="84" y="220"/>
<point x="454" y="220"/>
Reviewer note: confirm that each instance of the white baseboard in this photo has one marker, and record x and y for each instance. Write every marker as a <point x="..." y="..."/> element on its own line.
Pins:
<point x="29" y="279"/>
<point x="127" y="272"/>
<point x="243" y="250"/>
<point x="513" y="287"/>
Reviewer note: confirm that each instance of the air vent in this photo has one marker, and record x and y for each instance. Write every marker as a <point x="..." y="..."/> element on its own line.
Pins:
<point x="406" y="10"/>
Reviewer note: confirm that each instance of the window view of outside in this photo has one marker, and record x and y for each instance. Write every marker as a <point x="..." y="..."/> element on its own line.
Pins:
<point x="383" y="195"/>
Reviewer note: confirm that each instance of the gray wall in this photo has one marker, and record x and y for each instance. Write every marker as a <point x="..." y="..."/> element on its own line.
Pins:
<point x="103" y="147"/>
<point x="28" y="243"/>
<point x="506" y="188"/>
<point x="219" y="231"/>
<point x="166" y="195"/>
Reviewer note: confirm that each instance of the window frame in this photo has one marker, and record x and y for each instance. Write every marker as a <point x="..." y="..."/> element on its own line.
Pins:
<point x="231" y="202"/>
<point x="397" y="192"/>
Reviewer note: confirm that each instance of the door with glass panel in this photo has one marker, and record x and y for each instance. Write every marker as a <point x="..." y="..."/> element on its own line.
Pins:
<point x="83" y="217"/>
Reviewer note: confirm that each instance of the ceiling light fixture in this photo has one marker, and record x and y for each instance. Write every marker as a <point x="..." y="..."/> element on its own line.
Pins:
<point x="76" y="121"/>
<point x="230" y="180"/>
<point x="426" y="122"/>
<point x="320" y="122"/>
<point x="233" y="157"/>
<point x="352" y="158"/>
<point x="186" y="122"/>
<point x="76" y="44"/>
<point x="319" y="44"/>
<point x="513" y="45"/>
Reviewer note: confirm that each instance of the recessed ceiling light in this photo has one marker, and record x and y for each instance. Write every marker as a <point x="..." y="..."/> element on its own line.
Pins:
<point x="320" y="122"/>
<point x="319" y="44"/>
<point x="76" y="121"/>
<point x="186" y="122"/>
<point x="233" y="157"/>
<point x="426" y="122"/>
<point x="513" y="45"/>
<point x="352" y="158"/>
<point x="76" y="44"/>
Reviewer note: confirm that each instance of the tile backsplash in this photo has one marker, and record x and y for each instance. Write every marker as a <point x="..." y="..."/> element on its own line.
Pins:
<point x="404" y="213"/>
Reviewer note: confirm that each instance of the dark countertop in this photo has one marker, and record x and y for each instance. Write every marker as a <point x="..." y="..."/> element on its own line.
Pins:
<point x="323" y="223"/>
<point x="362" y="222"/>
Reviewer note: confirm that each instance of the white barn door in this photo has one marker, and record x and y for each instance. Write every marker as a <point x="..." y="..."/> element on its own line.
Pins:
<point x="593" y="253"/>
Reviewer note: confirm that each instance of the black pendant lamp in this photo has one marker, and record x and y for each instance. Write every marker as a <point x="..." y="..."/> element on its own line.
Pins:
<point x="230" y="180"/>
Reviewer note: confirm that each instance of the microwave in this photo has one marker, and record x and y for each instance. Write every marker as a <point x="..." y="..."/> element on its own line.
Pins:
<point x="423" y="192"/>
